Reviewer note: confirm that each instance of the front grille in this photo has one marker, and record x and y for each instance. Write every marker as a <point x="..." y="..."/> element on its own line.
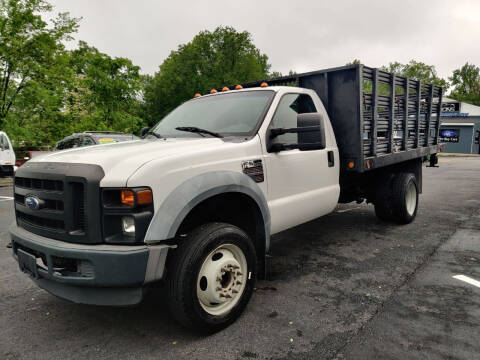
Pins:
<point x="52" y="224"/>
<point x="79" y="206"/>
<point x="69" y="197"/>
<point x="40" y="184"/>
<point x="49" y="204"/>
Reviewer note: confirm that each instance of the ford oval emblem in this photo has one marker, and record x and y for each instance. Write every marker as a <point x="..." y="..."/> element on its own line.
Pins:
<point x="32" y="202"/>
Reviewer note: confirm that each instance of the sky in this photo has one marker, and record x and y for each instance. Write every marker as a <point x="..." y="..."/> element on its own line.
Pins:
<point x="299" y="35"/>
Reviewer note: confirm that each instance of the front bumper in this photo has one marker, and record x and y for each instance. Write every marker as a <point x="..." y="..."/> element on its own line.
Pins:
<point x="90" y="274"/>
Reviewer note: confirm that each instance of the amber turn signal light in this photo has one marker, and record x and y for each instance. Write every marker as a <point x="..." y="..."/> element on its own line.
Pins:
<point x="225" y="89"/>
<point x="213" y="91"/>
<point x="264" y="84"/>
<point x="197" y="95"/>
<point x="127" y="197"/>
<point x="351" y="164"/>
<point x="144" y="197"/>
<point x="238" y="87"/>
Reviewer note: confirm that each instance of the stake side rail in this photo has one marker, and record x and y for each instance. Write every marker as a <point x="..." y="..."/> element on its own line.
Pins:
<point x="379" y="118"/>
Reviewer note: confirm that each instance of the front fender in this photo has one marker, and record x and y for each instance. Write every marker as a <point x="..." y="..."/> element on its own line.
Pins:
<point x="185" y="197"/>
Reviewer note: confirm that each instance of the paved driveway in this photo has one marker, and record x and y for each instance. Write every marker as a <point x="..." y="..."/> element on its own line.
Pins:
<point x="346" y="286"/>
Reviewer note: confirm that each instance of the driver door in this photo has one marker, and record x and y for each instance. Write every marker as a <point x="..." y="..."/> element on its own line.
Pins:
<point x="302" y="185"/>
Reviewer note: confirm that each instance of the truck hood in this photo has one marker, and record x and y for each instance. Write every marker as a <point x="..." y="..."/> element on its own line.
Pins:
<point x="124" y="158"/>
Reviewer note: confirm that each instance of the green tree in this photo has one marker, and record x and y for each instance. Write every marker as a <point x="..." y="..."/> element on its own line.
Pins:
<point x="212" y="59"/>
<point x="353" y="62"/>
<point x="104" y="89"/>
<point x="418" y="71"/>
<point x="31" y="54"/>
<point x="466" y="83"/>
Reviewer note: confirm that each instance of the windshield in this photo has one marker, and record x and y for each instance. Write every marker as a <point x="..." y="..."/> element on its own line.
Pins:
<point x="230" y="114"/>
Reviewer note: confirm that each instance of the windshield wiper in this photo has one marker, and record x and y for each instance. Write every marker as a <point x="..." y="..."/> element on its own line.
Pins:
<point x="150" y="132"/>
<point x="198" y="130"/>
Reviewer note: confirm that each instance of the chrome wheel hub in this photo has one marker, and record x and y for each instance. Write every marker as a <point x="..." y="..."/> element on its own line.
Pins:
<point x="222" y="279"/>
<point x="411" y="198"/>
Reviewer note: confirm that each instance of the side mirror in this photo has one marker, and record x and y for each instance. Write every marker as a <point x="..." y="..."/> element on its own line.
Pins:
<point x="144" y="131"/>
<point x="311" y="134"/>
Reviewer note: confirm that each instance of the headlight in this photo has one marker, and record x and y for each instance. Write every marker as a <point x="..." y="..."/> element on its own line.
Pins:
<point x="128" y="225"/>
<point x="127" y="213"/>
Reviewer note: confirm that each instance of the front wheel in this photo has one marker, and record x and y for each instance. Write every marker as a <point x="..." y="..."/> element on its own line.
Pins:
<point x="211" y="277"/>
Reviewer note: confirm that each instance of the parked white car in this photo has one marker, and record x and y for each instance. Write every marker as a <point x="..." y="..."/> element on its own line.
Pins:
<point x="7" y="156"/>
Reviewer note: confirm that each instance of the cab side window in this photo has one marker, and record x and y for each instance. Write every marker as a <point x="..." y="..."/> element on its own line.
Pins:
<point x="286" y="115"/>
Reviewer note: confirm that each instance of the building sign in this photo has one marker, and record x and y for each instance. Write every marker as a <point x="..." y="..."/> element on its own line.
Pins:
<point x="452" y="110"/>
<point x="451" y="107"/>
<point x="449" y="135"/>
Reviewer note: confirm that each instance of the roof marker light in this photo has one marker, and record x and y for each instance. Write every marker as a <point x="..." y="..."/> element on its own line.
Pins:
<point x="213" y="91"/>
<point x="238" y="87"/>
<point x="197" y="95"/>
<point x="225" y="89"/>
<point x="263" y="84"/>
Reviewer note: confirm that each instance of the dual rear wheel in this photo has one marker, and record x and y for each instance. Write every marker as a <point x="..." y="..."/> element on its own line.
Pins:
<point x="396" y="198"/>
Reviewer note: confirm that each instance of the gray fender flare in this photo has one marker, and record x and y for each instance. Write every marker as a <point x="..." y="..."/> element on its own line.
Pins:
<point x="186" y="196"/>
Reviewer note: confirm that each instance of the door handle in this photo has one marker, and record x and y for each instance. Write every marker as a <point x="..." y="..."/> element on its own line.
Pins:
<point x="331" y="159"/>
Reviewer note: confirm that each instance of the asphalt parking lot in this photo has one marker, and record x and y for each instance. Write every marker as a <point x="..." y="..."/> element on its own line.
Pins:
<point x="346" y="286"/>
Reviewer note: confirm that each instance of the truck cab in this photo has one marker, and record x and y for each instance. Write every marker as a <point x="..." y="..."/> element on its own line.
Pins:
<point x="194" y="203"/>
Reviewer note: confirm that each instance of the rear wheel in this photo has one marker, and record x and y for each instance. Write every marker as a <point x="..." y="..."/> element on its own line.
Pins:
<point x="211" y="277"/>
<point x="383" y="199"/>
<point x="404" y="197"/>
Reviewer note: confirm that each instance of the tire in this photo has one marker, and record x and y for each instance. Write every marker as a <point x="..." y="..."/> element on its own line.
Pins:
<point x="404" y="198"/>
<point x="211" y="276"/>
<point x="383" y="195"/>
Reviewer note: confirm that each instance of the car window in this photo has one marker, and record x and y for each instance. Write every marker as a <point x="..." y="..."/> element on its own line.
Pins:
<point x="70" y="143"/>
<point x="286" y="115"/>
<point x="4" y="142"/>
<point x="87" y="141"/>
<point x="60" y="145"/>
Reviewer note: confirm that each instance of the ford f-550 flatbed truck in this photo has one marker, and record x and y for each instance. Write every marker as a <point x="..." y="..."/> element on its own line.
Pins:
<point x="193" y="204"/>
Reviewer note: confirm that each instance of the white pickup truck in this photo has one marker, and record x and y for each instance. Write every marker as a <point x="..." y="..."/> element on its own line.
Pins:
<point x="193" y="204"/>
